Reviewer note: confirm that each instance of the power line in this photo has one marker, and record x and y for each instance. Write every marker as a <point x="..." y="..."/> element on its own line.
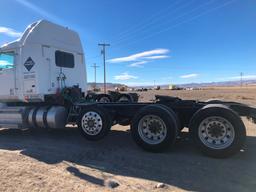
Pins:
<point x="151" y="20"/>
<point x="177" y="24"/>
<point x="103" y="52"/>
<point x="178" y="17"/>
<point x="95" y="73"/>
<point x="151" y="23"/>
<point x="182" y="22"/>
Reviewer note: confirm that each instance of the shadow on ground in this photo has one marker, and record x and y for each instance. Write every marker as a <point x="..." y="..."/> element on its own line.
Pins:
<point x="182" y="166"/>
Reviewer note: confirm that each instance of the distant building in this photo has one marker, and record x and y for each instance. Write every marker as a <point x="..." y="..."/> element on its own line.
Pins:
<point x="172" y="87"/>
<point x="175" y="87"/>
<point x="157" y="87"/>
<point x="121" y="88"/>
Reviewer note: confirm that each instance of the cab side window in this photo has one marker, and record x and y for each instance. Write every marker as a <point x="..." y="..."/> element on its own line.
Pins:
<point x="64" y="59"/>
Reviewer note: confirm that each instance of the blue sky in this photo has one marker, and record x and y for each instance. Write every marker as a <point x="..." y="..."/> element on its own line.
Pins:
<point x="169" y="41"/>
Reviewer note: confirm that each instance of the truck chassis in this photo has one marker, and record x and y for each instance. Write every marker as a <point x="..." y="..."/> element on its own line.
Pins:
<point x="215" y="126"/>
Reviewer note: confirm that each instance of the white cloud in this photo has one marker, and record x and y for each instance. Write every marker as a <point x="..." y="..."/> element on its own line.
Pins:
<point x="125" y="76"/>
<point x="243" y="77"/>
<point x="193" y="75"/>
<point x="158" y="57"/>
<point x="141" y="56"/>
<point x="138" y="64"/>
<point x="10" y="32"/>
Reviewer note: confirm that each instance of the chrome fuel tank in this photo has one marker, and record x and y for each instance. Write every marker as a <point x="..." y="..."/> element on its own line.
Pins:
<point x="33" y="117"/>
<point x="13" y="117"/>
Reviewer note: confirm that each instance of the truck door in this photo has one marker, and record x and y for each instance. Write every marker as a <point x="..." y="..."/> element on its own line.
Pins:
<point x="48" y="54"/>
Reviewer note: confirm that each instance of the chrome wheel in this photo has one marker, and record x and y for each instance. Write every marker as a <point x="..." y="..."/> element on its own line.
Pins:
<point x="216" y="132"/>
<point x="91" y="123"/>
<point x="152" y="129"/>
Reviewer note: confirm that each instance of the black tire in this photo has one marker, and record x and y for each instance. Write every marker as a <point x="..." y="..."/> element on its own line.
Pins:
<point x="105" y="120"/>
<point x="213" y="101"/>
<point x="169" y="120"/>
<point x="91" y="97"/>
<point x="104" y="98"/>
<point x="135" y="97"/>
<point x="124" y="122"/>
<point x="125" y="98"/>
<point x="179" y="123"/>
<point x="230" y="119"/>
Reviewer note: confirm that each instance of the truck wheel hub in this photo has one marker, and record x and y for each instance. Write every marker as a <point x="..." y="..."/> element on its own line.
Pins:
<point x="91" y="123"/>
<point x="152" y="129"/>
<point x="216" y="132"/>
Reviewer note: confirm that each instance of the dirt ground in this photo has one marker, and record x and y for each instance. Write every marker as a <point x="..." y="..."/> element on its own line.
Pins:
<point x="62" y="160"/>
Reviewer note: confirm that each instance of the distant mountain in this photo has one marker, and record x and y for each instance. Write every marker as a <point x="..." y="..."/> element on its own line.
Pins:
<point x="219" y="84"/>
<point x="210" y="84"/>
<point x="195" y="85"/>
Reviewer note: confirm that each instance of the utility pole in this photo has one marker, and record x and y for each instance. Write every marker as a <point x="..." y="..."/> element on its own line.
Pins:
<point x="95" y="73"/>
<point x="241" y="79"/>
<point x="103" y="52"/>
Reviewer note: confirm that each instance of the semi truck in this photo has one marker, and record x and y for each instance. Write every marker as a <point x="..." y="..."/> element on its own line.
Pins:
<point x="43" y="84"/>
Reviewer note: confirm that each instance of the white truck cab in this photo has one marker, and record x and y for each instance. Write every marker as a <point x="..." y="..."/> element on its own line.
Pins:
<point x="46" y="58"/>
